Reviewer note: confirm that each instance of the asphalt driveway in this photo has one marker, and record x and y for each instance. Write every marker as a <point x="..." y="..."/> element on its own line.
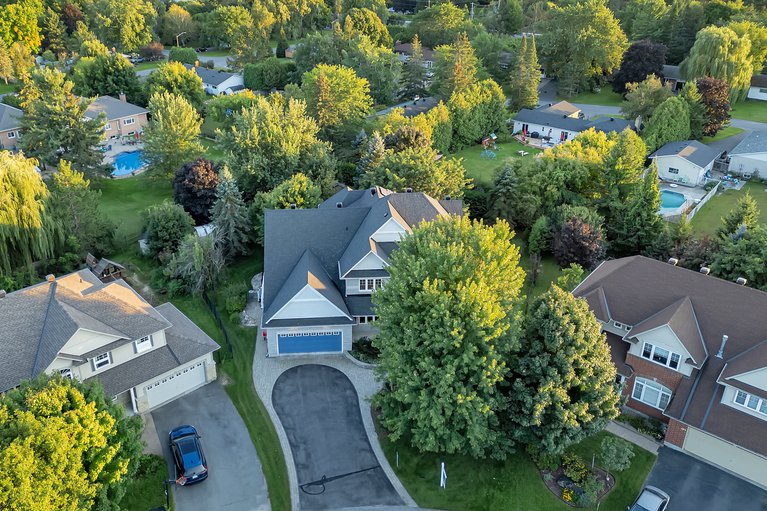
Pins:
<point x="697" y="486"/>
<point x="336" y="467"/>
<point x="235" y="481"/>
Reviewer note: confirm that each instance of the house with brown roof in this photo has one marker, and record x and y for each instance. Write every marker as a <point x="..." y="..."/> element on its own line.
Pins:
<point x="405" y="50"/>
<point x="82" y="328"/>
<point x="691" y="350"/>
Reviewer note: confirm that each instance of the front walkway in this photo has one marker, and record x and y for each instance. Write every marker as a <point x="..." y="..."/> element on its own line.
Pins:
<point x="265" y="374"/>
<point x="629" y="434"/>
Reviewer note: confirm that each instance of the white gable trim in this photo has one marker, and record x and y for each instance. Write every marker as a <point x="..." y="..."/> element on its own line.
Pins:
<point x="391" y="227"/>
<point x="317" y="294"/>
<point x="384" y="264"/>
<point x="671" y="330"/>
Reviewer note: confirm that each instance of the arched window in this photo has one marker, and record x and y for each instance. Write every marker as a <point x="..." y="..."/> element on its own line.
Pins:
<point x="651" y="393"/>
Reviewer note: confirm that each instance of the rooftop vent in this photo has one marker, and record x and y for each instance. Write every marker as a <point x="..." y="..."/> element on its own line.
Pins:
<point x="741" y="281"/>
<point x="447" y="197"/>
<point x="293" y="206"/>
<point x="673" y="261"/>
<point x="720" y="353"/>
<point x="2" y="293"/>
<point x="373" y="191"/>
<point x="705" y="270"/>
<point x="50" y="277"/>
<point x="339" y="204"/>
<point x="408" y="190"/>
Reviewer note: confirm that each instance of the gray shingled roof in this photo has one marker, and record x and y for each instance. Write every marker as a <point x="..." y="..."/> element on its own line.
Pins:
<point x="40" y="319"/>
<point x="213" y="77"/>
<point x="561" y="121"/>
<point x="759" y="81"/>
<point x="755" y="142"/>
<point x="113" y="108"/>
<point x="10" y="117"/>
<point x="672" y="72"/>
<point x="691" y="150"/>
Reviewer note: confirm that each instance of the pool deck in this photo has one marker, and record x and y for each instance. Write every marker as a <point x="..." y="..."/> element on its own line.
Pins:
<point x="692" y="194"/>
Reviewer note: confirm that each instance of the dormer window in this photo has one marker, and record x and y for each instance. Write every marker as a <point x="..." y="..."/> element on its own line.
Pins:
<point x="661" y="356"/>
<point x="143" y="344"/>
<point x="370" y="284"/>
<point x="751" y="402"/>
<point x="102" y="361"/>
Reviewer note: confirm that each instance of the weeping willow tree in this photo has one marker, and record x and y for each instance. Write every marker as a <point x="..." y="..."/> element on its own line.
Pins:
<point x="27" y="231"/>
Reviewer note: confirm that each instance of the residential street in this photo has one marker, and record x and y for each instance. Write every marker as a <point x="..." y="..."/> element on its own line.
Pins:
<point x="697" y="486"/>
<point x="235" y="481"/>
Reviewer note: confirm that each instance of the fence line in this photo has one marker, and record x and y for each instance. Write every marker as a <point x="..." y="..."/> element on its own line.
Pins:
<point x="217" y="316"/>
<point x="704" y="200"/>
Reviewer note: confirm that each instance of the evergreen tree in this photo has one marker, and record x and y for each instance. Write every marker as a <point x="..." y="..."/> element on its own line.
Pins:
<point x="456" y="67"/>
<point x="373" y="156"/>
<point x="55" y="125"/>
<point x="638" y="227"/>
<point x="670" y="123"/>
<point x="526" y="77"/>
<point x="230" y="215"/>
<point x="743" y="256"/>
<point x="172" y="137"/>
<point x="562" y="384"/>
<point x="745" y="214"/>
<point x="697" y="109"/>
<point x="55" y="33"/>
<point x="414" y="73"/>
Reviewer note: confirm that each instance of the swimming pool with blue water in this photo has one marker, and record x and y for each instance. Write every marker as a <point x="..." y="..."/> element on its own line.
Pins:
<point x="127" y="163"/>
<point x="669" y="199"/>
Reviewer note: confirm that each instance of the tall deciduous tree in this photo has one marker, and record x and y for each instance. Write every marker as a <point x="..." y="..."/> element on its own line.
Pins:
<point x="107" y="75"/>
<point x="644" y="97"/>
<point x="335" y="95"/>
<point x="172" y="137"/>
<point x="194" y="187"/>
<point x="757" y="34"/>
<point x="445" y="345"/>
<point x="173" y="77"/>
<point x="125" y="25"/>
<point x="198" y="263"/>
<point x="526" y="76"/>
<point x="715" y="96"/>
<point x="476" y="112"/>
<point x="642" y="59"/>
<point x="577" y="241"/>
<point x="230" y="215"/>
<point x="55" y="125"/>
<point x="165" y="225"/>
<point x="299" y="191"/>
<point x="414" y="73"/>
<point x="27" y="229"/>
<point x="6" y="64"/>
<point x="176" y="21"/>
<point x="562" y="387"/>
<point x="719" y="52"/>
<point x="18" y="23"/>
<point x="364" y="22"/>
<point x="670" y="123"/>
<point x="440" y="24"/>
<point x="96" y="446"/>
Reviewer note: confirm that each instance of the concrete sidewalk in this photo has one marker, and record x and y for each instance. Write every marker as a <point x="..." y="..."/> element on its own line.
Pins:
<point x="629" y="434"/>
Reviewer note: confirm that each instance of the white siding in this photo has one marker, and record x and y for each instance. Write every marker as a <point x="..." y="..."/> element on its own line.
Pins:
<point x="142" y="402"/>
<point x="87" y="340"/>
<point x="370" y="262"/>
<point x="307" y="303"/>
<point x="390" y="231"/>
<point x="749" y="164"/>
<point x="726" y="455"/>
<point x="757" y="93"/>
<point x="554" y="133"/>
<point x="728" y="398"/>
<point x="665" y="338"/>
<point x="689" y="173"/>
<point x="272" y="333"/>
<point x="756" y="378"/>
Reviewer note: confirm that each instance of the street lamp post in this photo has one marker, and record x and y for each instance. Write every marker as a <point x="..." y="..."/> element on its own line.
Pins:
<point x="178" y="35"/>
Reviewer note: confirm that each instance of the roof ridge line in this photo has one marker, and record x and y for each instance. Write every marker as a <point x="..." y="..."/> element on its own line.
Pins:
<point x="51" y="294"/>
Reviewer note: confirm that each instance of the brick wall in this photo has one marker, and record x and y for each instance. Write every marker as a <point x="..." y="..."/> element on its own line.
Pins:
<point x="675" y="433"/>
<point x="656" y="372"/>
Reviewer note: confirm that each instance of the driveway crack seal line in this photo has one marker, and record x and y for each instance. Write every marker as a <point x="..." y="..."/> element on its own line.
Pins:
<point x="321" y="482"/>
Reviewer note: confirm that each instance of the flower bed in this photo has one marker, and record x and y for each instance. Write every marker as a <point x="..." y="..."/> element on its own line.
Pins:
<point x="576" y="484"/>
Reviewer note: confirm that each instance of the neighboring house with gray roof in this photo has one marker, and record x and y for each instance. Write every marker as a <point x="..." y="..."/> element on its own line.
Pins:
<point x="749" y="157"/>
<point x="559" y="122"/>
<point x="690" y="349"/>
<point x="322" y="265"/>
<point x="123" y="119"/>
<point x="685" y="162"/>
<point x="758" y="88"/>
<point x="217" y="82"/>
<point x="10" y="126"/>
<point x="81" y="328"/>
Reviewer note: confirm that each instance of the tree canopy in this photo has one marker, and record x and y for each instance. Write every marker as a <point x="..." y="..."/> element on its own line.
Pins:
<point x="335" y="95"/>
<point x="642" y="59"/>
<point x="174" y="78"/>
<point x="669" y="123"/>
<point x="644" y="97"/>
<point x="172" y="137"/>
<point x="194" y="187"/>
<point x="107" y="75"/>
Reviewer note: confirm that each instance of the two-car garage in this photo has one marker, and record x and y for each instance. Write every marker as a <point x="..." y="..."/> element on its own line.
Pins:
<point x="175" y="384"/>
<point x="310" y="342"/>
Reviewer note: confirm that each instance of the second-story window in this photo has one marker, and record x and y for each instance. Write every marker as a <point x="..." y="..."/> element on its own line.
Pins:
<point x="102" y="360"/>
<point x="370" y="284"/>
<point x="66" y="373"/>
<point x="143" y="344"/>
<point x="129" y="120"/>
<point x="660" y="355"/>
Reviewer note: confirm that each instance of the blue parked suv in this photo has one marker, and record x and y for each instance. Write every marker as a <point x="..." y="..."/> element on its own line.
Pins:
<point x="191" y="466"/>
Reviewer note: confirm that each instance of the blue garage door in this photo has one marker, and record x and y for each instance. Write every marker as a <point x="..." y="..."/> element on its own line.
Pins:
<point x="310" y="342"/>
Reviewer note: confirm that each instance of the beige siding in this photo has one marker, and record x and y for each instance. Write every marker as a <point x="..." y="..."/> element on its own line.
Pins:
<point x="142" y="403"/>
<point x="118" y="127"/>
<point x="726" y="455"/>
<point x="9" y="138"/>
<point x="665" y="338"/>
<point x="756" y="378"/>
<point x="728" y="398"/>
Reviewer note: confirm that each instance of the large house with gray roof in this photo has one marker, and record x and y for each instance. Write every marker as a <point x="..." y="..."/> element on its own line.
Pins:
<point x="749" y="157"/>
<point x="123" y="119"/>
<point x="687" y="162"/>
<point x="322" y="265"/>
<point x="691" y="350"/>
<point x="559" y="122"/>
<point x="81" y="328"/>
<point x="217" y="82"/>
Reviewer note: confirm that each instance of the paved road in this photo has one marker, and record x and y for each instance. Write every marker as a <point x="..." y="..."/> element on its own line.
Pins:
<point x="697" y="486"/>
<point x="319" y="410"/>
<point x="236" y="482"/>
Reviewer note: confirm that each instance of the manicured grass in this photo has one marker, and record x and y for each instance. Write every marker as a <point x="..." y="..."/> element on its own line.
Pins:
<point x="727" y="132"/>
<point x="605" y="97"/>
<point x="212" y="151"/>
<point x="149" y="65"/>
<point x="213" y="53"/>
<point x="124" y="201"/>
<point x="147" y="489"/>
<point x="482" y="170"/>
<point x="511" y="485"/>
<point x="6" y="88"/>
<point x="709" y="218"/>
<point x="209" y="126"/>
<point x="750" y="110"/>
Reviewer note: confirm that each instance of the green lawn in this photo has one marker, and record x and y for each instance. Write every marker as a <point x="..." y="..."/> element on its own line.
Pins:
<point x="213" y="53"/>
<point x="512" y="485"/>
<point x="209" y="126"/>
<point x="750" y="110"/>
<point x="605" y="97"/>
<point x="147" y="489"/>
<point x="6" y="88"/>
<point x="708" y="219"/>
<point x="124" y="200"/>
<point x="727" y="132"/>
<point x="149" y="65"/>
<point x="482" y="170"/>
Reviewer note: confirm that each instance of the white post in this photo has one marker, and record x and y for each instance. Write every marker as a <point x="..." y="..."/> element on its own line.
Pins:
<point x="472" y="10"/>
<point x="397" y="459"/>
<point x="442" y="476"/>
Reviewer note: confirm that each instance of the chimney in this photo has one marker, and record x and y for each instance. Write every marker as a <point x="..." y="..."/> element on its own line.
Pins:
<point x="673" y="261"/>
<point x="705" y="270"/>
<point x="720" y="353"/>
<point x="408" y="190"/>
<point x="2" y="293"/>
<point x="50" y="277"/>
<point x="293" y="206"/>
<point x="123" y="98"/>
<point x="741" y="281"/>
<point x="339" y="204"/>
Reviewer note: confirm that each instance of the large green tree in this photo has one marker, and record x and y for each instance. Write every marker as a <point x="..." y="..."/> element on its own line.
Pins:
<point x="720" y="53"/>
<point x="525" y="76"/>
<point x="456" y="67"/>
<point x="64" y="445"/>
<point x="172" y="137"/>
<point x="448" y="318"/>
<point x="335" y="95"/>
<point x="745" y="215"/>
<point x="638" y="227"/>
<point x="107" y="75"/>
<point x="175" y="21"/>
<point x="173" y="77"/>
<point x="19" y="23"/>
<point x="440" y="24"/>
<point x="414" y="73"/>
<point x="694" y="101"/>
<point x="230" y="216"/>
<point x="366" y="23"/>
<point x="125" y="25"/>
<point x="165" y="225"/>
<point x="378" y="65"/>
<point x="55" y="125"/>
<point x="743" y="256"/>
<point x="561" y="389"/>
<point x="476" y="112"/>
<point x="644" y="97"/>
<point x="669" y="123"/>
<point x="197" y="264"/>
<point x="298" y="191"/>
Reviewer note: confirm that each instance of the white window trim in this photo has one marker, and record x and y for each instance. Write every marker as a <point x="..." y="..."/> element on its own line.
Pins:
<point x="11" y="134"/>
<point x="759" y="401"/>
<point x="128" y="121"/>
<point x="107" y="126"/>
<point x="670" y="356"/>
<point x="143" y="344"/>
<point x="95" y="361"/>
<point x="363" y="320"/>
<point x="661" y="389"/>
<point x="66" y="372"/>
<point x="371" y="284"/>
